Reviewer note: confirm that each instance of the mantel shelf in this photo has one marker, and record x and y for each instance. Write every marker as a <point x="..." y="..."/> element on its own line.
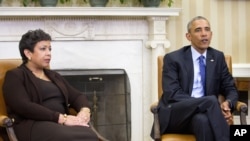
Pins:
<point x="88" y="11"/>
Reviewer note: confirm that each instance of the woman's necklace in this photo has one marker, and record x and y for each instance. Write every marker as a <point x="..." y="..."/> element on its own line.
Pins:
<point x="39" y="75"/>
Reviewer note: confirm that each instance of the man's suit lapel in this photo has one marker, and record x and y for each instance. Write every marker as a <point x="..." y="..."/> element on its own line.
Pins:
<point x="210" y="69"/>
<point x="188" y="63"/>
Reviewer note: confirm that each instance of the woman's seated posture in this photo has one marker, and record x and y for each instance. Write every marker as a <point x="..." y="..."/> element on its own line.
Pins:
<point x="38" y="99"/>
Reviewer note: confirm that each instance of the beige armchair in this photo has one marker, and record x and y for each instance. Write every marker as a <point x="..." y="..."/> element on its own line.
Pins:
<point x="241" y="107"/>
<point x="5" y="121"/>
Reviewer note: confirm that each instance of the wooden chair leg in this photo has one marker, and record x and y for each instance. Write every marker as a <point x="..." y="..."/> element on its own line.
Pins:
<point x="101" y="138"/>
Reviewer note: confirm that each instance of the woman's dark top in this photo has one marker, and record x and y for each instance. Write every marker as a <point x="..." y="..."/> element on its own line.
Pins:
<point x="51" y="96"/>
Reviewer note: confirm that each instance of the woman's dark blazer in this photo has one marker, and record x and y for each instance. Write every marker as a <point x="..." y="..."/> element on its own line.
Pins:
<point x="24" y="103"/>
<point x="178" y="75"/>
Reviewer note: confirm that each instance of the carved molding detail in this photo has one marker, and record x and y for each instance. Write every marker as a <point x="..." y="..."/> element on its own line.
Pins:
<point x="70" y="29"/>
<point x="157" y="32"/>
<point x="76" y="28"/>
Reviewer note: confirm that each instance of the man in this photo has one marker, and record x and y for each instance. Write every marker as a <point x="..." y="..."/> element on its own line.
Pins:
<point x="189" y="102"/>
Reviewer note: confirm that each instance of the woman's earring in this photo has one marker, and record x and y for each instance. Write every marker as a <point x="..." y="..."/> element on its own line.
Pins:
<point x="29" y="58"/>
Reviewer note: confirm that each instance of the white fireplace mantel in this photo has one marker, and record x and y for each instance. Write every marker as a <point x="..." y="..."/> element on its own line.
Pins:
<point x="128" y="38"/>
<point x="88" y="11"/>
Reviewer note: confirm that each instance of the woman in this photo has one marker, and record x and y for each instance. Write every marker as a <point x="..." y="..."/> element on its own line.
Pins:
<point x="39" y="99"/>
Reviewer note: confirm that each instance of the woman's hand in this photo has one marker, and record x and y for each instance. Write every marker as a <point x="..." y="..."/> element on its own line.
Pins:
<point x="70" y="120"/>
<point x="84" y="115"/>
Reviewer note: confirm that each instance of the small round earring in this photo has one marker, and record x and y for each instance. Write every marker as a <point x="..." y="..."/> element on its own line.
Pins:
<point x="29" y="58"/>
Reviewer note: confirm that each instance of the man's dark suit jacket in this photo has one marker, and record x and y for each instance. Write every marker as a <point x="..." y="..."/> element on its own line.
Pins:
<point x="178" y="76"/>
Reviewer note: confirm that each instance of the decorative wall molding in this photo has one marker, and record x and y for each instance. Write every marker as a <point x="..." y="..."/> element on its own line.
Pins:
<point x="88" y="11"/>
<point x="76" y="28"/>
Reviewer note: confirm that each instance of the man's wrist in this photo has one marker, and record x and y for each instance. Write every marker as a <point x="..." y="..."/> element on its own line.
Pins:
<point x="229" y="103"/>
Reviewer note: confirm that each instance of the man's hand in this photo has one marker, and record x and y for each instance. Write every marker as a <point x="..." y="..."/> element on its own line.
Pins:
<point x="226" y="111"/>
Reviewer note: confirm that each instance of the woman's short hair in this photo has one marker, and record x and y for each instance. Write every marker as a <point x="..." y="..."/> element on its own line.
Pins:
<point x="29" y="41"/>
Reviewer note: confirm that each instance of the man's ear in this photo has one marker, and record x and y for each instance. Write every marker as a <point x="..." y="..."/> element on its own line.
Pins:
<point x="188" y="36"/>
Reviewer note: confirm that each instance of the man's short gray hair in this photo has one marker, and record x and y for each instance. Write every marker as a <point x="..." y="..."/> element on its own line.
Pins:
<point x="194" y="19"/>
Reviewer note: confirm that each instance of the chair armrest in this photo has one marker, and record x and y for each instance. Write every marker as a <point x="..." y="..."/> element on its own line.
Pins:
<point x="153" y="107"/>
<point x="156" y="124"/>
<point x="7" y="122"/>
<point x="242" y="108"/>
